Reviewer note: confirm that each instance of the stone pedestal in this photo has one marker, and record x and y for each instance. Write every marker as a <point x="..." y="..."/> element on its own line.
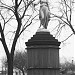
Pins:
<point x="43" y="54"/>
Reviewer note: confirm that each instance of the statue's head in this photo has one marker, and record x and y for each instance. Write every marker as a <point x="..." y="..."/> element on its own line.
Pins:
<point x="43" y="2"/>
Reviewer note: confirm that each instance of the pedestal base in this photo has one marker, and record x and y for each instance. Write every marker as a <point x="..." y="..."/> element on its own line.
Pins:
<point x="43" y="54"/>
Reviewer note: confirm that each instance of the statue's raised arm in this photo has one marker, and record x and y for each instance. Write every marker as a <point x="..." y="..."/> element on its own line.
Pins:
<point x="44" y="13"/>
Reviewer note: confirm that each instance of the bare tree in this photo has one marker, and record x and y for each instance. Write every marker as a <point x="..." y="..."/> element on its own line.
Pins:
<point x="16" y="11"/>
<point x="65" y="10"/>
<point x="67" y="66"/>
<point x="20" y="61"/>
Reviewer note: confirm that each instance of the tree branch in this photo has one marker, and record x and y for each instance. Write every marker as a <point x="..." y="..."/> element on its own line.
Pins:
<point x="4" y="4"/>
<point x="27" y="8"/>
<point x="18" y="28"/>
<point x="70" y="11"/>
<point x="3" y="20"/>
<point x="72" y="28"/>
<point x="25" y="28"/>
<point x="7" y="8"/>
<point x="9" y="19"/>
<point x="27" y="20"/>
<point x="67" y="37"/>
<point x="59" y="30"/>
<point x="60" y="17"/>
<point x="4" y="42"/>
<point x="66" y="12"/>
<point x="20" y="2"/>
<point x="67" y="23"/>
<point x="27" y="25"/>
<point x="0" y="39"/>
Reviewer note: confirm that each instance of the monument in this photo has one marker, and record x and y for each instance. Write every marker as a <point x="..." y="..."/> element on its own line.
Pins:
<point x="43" y="49"/>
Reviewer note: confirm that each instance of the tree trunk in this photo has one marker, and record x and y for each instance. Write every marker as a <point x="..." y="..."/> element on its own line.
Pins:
<point x="10" y="65"/>
<point x="23" y="72"/>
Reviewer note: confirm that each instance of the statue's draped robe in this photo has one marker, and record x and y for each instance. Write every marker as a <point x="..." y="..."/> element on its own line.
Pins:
<point x="44" y="15"/>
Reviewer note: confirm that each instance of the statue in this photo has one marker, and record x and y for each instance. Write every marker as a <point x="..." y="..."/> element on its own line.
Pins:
<point x="44" y="14"/>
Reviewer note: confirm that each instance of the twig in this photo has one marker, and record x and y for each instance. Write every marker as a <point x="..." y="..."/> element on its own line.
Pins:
<point x="27" y="8"/>
<point x="10" y="32"/>
<point x="7" y="8"/>
<point x="67" y="37"/>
